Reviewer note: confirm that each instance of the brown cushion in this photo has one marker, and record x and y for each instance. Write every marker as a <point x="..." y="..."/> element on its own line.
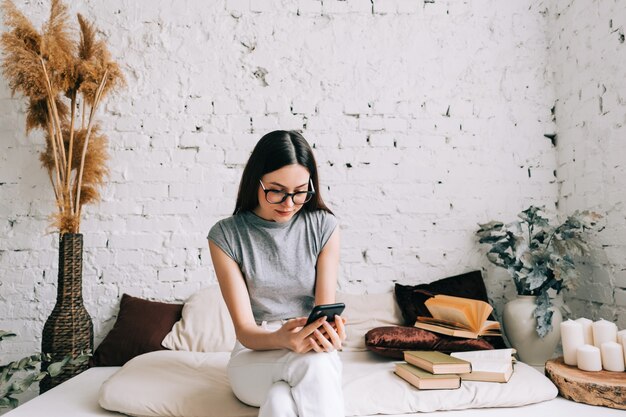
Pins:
<point x="140" y="327"/>
<point x="392" y="341"/>
<point x="411" y="298"/>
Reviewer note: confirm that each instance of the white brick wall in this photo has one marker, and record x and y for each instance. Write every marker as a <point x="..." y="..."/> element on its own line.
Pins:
<point x="427" y="118"/>
<point x="588" y="52"/>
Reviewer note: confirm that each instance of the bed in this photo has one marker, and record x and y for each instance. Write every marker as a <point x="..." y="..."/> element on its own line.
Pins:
<point x="79" y="397"/>
<point x="189" y="377"/>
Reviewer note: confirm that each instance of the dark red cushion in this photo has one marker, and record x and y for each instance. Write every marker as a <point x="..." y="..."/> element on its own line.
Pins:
<point x="140" y="328"/>
<point x="392" y="341"/>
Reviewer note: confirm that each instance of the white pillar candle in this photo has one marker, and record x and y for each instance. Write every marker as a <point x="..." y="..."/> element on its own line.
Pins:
<point x="624" y="347"/>
<point x="571" y="337"/>
<point x="587" y="330"/>
<point x="612" y="356"/>
<point x="588" y="358"/>
<point x="621" y="335"/>
<point x="604" y="331"/>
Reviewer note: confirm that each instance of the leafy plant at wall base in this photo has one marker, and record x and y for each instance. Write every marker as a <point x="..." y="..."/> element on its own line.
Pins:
<point x="539" y="256"/>
<point x="26" y="368"/>
<point x="65" y="81"/>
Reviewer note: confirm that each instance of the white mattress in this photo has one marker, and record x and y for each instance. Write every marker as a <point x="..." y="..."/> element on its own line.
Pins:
<point x="79" y="397"/>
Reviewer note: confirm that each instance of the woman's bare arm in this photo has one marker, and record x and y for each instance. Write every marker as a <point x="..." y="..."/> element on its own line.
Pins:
<point x="327" y="270"/>
<point x="330" y="336"/>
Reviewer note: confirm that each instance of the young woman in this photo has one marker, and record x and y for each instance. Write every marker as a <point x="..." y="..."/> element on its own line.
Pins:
<point x="275" y="258"/>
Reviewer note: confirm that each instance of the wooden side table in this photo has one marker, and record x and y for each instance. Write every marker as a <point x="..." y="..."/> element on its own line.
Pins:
<point x="603" y="388"/>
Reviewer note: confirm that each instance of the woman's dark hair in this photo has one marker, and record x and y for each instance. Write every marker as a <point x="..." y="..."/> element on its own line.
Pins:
<point x="274" y="151"/>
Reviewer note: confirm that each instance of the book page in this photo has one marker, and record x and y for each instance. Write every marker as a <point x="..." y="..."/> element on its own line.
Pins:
<point x="454" y="309"/>
<point x="475" y="311"/>
<point x="485" y="311"/>
<point x="458" y="303"/>
<point x="490" y="325"/>
<point x="449" y="314"/>
<point x="497" y="361"/>
<point x="443" y="323"/>
<point x="476" y="315"/>
<point x="490" y="365"/>
<point x="504" y="354"/>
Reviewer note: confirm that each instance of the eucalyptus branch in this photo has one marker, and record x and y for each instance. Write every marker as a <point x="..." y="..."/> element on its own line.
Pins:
<point x="537" y="269"/>
<point x="550" y="238"/>
<point x="10" y="386"/>
<point x="519" y="286"/>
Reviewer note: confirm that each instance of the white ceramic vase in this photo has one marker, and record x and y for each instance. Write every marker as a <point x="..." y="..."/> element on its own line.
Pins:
<point x="520" y="329"/>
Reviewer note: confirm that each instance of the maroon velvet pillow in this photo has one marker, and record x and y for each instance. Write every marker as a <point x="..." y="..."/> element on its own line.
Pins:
<point x="392" y="341"/>
<point x="140" y="328"/>
<point x="411" y="298"/>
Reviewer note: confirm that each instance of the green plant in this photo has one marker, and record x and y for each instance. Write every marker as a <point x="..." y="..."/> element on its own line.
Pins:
<point x="538" y="255"/>
<point x="26" y="370"/>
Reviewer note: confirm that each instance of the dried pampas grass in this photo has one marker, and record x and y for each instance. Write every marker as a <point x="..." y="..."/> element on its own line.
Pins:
<point x="58" y="48"/>
<point x="60" y="76"/>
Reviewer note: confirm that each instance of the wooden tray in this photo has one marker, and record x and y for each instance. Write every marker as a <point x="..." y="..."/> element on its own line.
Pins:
<point x="596" y="388"/>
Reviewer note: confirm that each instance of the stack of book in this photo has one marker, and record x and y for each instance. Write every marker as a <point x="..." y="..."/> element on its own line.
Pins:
<point x="437" y="370"/>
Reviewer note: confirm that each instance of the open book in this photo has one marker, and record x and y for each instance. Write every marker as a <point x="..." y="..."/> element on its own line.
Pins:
<point x="488" y="365"/>
<point x="458" y="316"/>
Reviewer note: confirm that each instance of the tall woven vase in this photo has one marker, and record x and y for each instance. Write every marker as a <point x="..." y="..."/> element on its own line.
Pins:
<point x="69" y="329"/>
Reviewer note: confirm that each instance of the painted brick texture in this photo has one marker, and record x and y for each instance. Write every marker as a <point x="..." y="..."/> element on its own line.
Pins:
<point x="587" y="53"/>
<point x="426" y="118"/>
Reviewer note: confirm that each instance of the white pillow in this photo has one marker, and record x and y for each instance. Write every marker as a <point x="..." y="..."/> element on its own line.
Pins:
<point x="364" y="312"/>
<point x="205" y="325"/>
<point x="370" y="387"/>
<point x="195" y="384"/>
<point x="171" y="383"/>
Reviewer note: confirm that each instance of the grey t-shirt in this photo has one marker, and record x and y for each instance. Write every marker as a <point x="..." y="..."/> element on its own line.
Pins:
<point x="277" y="260"/>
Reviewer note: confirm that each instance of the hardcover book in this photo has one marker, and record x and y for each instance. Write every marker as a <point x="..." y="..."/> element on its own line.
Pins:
<point x="459" y="317"/>
<point x="488" y="365"/>
<point x="421" y="379"/>
<point x="437" y="362"/>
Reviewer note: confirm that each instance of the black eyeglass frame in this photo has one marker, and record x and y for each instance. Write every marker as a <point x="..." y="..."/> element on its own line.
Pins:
<point x="310" y="193"/>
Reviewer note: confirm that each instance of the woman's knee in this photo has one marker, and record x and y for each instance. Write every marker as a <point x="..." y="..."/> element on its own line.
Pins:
<point x="246" y="390"/>
<point x="252" y="374"/>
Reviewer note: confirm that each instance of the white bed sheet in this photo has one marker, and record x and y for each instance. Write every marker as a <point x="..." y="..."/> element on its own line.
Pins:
<point x="79" y="397"/>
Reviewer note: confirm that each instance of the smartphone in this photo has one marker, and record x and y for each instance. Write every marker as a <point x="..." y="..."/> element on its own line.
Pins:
<point x="328" y="310"/>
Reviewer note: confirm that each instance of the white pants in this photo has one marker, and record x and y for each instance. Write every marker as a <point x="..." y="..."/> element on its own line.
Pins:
<point x="287" y="384"/>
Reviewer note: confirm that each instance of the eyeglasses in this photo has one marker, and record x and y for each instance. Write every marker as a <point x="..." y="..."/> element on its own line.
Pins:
<point x="278" y="196"/>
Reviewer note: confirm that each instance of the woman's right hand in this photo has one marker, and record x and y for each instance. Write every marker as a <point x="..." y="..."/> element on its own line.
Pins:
<point x="295" y="336"/>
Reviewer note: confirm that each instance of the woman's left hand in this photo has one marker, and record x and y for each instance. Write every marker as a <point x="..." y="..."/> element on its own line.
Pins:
<point x="329" y="336"/>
